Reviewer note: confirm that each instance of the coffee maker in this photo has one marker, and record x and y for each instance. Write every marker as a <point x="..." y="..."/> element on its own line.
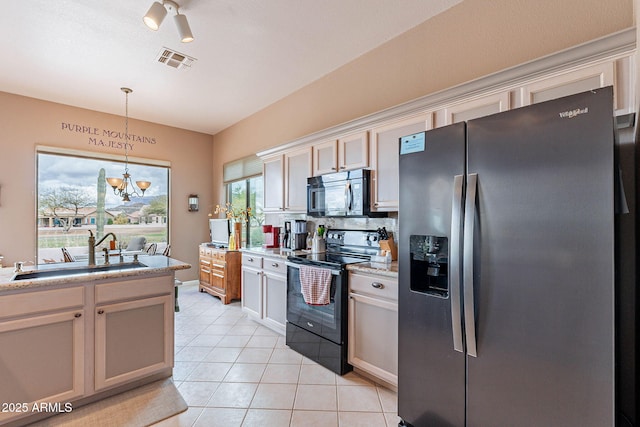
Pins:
<point x="285" y="237"/>
<point x="294" y="235"/>
<point x="271" y="236"/>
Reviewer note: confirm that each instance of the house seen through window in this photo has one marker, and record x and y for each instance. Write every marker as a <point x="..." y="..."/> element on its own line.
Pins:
<point x="73" y="197"/>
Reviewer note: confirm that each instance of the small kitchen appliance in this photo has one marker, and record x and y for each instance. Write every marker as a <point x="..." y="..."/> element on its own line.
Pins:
<point x="271" y="236"/>
<point x="298" y="234"/>
<point x="341" y="194"/>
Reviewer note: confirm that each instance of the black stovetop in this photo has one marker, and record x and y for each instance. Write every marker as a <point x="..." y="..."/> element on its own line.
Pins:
<point x="333" y="259"/>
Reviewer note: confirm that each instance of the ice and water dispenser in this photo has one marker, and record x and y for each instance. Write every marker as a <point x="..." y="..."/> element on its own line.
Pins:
<point x="429" y="265"/>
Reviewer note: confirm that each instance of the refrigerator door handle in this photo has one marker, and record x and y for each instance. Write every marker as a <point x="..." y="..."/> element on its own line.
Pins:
<point x="454" y="275"/>
<point x="467" y="274"/>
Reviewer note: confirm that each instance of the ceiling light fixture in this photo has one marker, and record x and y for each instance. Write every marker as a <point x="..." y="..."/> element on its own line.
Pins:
<point x="121" y="186"/>
<point x="158" y="10"/>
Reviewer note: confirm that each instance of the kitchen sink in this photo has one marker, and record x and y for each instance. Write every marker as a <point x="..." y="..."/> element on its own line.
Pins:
<point x="75" y="270"/>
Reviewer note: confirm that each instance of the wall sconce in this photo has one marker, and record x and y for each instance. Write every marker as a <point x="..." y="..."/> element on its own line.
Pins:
<point x="193" y="203"/>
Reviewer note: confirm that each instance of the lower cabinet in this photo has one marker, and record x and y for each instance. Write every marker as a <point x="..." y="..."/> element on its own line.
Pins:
<point x="131" y="340"/>
<point x="252" y="291"/>
<point x="49" y="346"/>
<point x="373" y="325"/>
<point x="133" y="330"/>
<point x="60" y="345"/>
<point x="41" y="351"/>
<point x="264" y="290"/>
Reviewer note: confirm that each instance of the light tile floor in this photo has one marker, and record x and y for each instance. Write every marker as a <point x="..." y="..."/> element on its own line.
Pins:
<point x="233" y="371"/>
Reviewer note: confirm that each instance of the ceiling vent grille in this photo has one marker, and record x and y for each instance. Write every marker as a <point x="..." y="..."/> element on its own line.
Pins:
<point x="175" y="59"/>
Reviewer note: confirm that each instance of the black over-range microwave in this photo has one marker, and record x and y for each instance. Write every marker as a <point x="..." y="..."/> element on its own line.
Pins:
<point x="346" y="194"/>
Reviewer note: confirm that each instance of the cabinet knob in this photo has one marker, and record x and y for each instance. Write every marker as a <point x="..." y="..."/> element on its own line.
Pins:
<point x="77" y="315"/>
<point x="377" y="285"/>
<point x="333" y="169"/>
<point x="100" y="311"/>
<point x="275" y="264"/>
<point x="342" y="167"/>
<point x="250" y="260"/>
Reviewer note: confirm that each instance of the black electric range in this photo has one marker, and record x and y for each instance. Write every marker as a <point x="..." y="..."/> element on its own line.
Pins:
<point x="319" y="332"/>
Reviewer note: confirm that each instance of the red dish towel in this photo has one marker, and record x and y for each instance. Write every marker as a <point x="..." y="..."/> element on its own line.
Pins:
<point x="315" y="284"/>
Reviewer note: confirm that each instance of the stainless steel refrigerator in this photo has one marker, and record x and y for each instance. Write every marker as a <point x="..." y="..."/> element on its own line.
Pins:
<point x="506" y="268"/>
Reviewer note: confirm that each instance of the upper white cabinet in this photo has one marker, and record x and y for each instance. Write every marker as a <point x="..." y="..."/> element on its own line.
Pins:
<point x="385" y="142"/>
<point x="285" y="180"/>
<point x="297" y="168"/>
<point x="273" y="178"/>
<point x="475" y="108"/>
<point x="568" y="83"/>
<point x="349" y="152"/>
<point x="325" y="157"/>
<point x="378" y="149"/>
<point x="353" y="151"/>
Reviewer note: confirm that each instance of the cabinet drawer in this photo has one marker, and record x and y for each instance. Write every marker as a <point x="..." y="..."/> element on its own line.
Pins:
<point x="218" y="265"/>
<point x="219" y="255"/>
<point x="252" y="261"/>
<point x="375" y="286"/>
<point x="202" y="251"/>
<point x="34" y="302"/>
<point x="274" y="265"/>
<point x="131" y="289"/>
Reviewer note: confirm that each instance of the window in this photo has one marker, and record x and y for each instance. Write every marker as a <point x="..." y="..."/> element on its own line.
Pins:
<point x="243" y="180"/>
<point x="73" y="198"/>
<point x="247" y="193"/>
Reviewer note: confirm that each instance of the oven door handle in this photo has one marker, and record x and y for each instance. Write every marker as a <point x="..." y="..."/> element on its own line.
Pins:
<point x="294" y="265"/>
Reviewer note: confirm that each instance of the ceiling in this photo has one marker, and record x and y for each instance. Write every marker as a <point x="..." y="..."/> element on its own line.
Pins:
<point x="249" y="53"/>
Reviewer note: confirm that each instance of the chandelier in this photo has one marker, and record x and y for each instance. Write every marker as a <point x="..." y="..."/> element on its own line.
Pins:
<point x="123" y="187"/>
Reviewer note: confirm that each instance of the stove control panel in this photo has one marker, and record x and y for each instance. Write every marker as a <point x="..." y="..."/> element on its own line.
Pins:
<point x="365" y="239"/>
<point x="335" y="237"/>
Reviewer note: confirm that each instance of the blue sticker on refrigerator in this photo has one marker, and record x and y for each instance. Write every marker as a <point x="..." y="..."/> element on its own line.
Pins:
<point x="412" y="143"/>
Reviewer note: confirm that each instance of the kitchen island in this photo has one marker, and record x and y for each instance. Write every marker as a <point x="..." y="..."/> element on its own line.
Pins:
<point x="72" y="334"/>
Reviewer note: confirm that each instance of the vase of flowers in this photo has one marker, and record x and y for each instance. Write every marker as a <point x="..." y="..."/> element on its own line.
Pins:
<point x="238" y="216"/>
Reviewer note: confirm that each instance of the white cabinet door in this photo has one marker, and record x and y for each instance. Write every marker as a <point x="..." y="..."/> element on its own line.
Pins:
<point x="353" y="151"/>
<point x="252" y="291"/>
<point x="297" y="167"/>
<point x="41" y="360"/>
<point x="385" y="159"/>
<point x="373" y="336"/>
<point x="133" y="339"/>
<point x="479" y="107"/>
<point x="275" y="300"/>
<point x="273" y="182"/>
<point x="569" y="83"/>
<point x="325" y="157"/>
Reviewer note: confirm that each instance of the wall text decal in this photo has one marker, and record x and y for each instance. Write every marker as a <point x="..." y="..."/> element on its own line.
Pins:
<point x="107" y="138"/>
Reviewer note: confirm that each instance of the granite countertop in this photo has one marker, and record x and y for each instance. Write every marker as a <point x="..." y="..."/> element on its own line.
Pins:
<point x="155" y="264"/>
<point x="380" y="269"/>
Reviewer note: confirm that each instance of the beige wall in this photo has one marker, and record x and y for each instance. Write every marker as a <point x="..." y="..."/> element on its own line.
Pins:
<point x="470" y="40"/>
<point x="27" y="122"/>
